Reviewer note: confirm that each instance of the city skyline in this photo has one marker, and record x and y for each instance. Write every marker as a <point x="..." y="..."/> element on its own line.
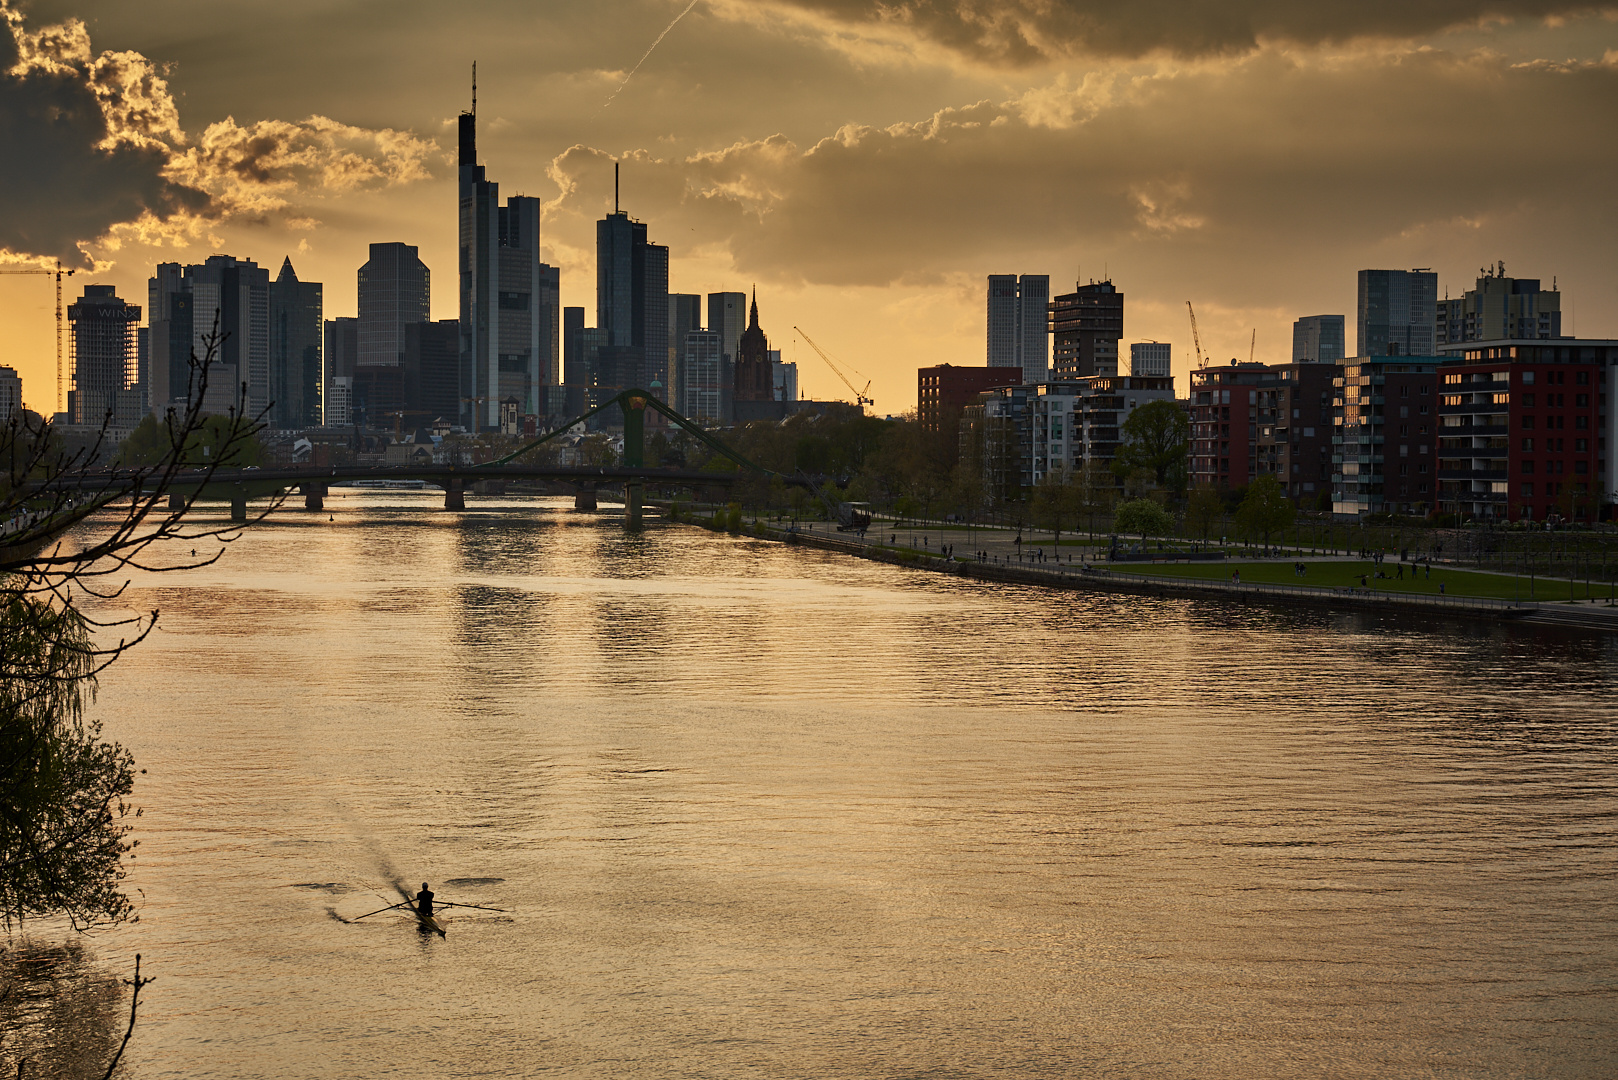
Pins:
<point x="1194" y="182"/>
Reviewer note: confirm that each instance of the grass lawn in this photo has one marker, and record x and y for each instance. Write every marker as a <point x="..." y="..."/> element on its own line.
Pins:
<point x="1347" y="573"/>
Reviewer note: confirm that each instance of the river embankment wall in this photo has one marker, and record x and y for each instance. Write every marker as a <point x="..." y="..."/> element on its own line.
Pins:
<point x="1103" y="579"/>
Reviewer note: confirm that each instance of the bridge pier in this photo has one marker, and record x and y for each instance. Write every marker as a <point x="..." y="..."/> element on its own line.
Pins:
<point x="634" y="408"/>
<point x="238" y="503"/>
<point x="314" y="495"/>
<point x="454" y="495"/>
<point x="586" y="497"/>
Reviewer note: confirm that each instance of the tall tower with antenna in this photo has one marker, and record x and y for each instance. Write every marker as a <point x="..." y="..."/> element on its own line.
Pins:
<point x="510" y="317"/>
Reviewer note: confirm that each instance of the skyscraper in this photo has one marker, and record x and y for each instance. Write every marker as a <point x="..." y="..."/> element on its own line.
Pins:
<point x="632" y="294"/>
<point x="342" y="351"/>
<point x="295" y="340"/>
<point x="10" y="394"/>
<point x="103" y="342"/>
<point x="1500" y="308"/>
<point x="509" y="300"/>
<point x="1019" y="324"/>
<point x="187" y="304"/>
<point x="702" y="368"/>
<point x="727" y="317"/>
<point x="1086" y="326"/>
<point x="685" y="315"/>
<point x="395" y="291"/>
<point x="1318" y="339"/>
<point x="1397" y="313"/>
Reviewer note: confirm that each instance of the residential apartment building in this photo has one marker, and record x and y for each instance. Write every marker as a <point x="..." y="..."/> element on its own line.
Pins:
<point x="1019" y="324"/>
<point x="1397" y="313"/>
<point x="944" y="390"/>
<point x="1086" y="326"/>
<point x="1384" y="438"/>
<point x="1249" y="420"/>
<point x="1500" y="309"/>
<point x="10" y="394"/>
<point x="1076" y="422"/>
<point x="1525" y="428"/>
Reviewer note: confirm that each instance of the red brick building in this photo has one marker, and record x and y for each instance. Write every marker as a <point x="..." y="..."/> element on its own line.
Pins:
<point x="943" y="391"/>
<point x="1252" y="419"/>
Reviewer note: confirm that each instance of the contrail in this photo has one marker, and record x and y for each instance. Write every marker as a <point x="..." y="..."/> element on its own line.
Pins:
<point x="655" y="44"/>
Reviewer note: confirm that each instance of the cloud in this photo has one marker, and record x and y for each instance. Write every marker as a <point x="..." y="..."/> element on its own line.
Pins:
<point x="1025" y="32"/>
<point x="1255" y="166"/>
<point x="96" y="155"/>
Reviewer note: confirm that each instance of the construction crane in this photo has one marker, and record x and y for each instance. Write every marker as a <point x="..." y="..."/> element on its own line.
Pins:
<point x="1195" y="338"/>
<point x="58" y="273"/>
<point x="860" y="396"/>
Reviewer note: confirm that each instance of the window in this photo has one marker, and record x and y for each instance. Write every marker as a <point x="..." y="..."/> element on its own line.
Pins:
<point x="1583" y="378"/>
<point x="1424" y="394"/>
<point x="1528" y="446"/>
<point x="1404" y="411"/>
<point x="1528" y="379"/>
<point x="1581" y="445"/>
<point x="1581" y="423"/>
<point x="1422" y="469"/>
<point x="1404" y="449"/>
<point x="1581" y="466"/>
<point x="1527" y="490"/>
<point x="1528" y="423"/>
<point x="1252" y="397"/>
<point x="1528" y="401"/>
<point x="1404" y="391"/>
<point x="1581" y="401"/>
<point x="1424" y="408"/>
<point x="1527" y="468"/>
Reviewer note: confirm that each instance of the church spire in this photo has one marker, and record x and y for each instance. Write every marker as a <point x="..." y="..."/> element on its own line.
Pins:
<point x="752" y="318"/>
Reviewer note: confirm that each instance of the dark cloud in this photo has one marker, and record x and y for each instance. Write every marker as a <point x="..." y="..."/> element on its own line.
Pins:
<point x="1254" y="170"/>
<point x="65" y="175"/>
<point x="1018" y="32"/>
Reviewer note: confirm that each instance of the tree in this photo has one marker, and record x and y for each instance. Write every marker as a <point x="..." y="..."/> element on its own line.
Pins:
<point x="62" y="789"/>
<point x="1096" y="490"/>
<point x="1154" y="437"/>
<point x="1057" y="501"/>
<point x="1265" y="509"/>
<point x="1143" y="517"/>
<point x="1203" y="508"/>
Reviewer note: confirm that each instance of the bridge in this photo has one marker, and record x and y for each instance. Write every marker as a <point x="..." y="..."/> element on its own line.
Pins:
<point x="313" y="482"/>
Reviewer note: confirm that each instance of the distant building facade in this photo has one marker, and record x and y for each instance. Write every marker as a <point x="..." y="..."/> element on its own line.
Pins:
<point x="1077" y="421"/>
<point x="1500" y="308"/>
<point x="702" y="381"/>
<point x="1019" y="324"/>
<point x="1086" y="326"/>
<point x="342" y="346"/>
<point x="187" y="306"/>
<point x="944" y="391"/>
<point x="685" y="315"/>
<point x="432" y="371"/>
<point x="1397" y="313"/>
<point x="1151" y="358"/>
<point x="1318" y="339"/>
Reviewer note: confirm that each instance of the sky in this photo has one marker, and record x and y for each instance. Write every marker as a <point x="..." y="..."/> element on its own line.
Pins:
<point x="864" y="165"/>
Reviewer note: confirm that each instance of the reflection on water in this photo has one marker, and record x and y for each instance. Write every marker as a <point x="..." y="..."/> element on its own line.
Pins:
<point x="765" y="811"/>
<point x="58" y="1011"/>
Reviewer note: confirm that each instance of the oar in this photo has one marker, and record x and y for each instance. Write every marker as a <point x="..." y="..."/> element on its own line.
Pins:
<point x="379" y="911"/>
<point x="480" y="907"/>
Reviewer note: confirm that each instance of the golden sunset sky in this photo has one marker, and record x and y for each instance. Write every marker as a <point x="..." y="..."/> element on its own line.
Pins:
<point x="866" y="165"/>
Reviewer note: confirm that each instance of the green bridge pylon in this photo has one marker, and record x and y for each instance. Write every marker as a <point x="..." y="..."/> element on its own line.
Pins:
<point x="634" y="403"/>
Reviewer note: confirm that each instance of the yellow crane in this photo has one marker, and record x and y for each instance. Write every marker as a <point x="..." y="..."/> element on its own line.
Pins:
<point x="58" y="273"/>
<point x="1195" y="339"/>
<point x="860" y="396"/>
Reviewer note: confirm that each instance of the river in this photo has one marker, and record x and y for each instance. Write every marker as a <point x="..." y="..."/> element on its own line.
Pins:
<point x="762" y="811"/>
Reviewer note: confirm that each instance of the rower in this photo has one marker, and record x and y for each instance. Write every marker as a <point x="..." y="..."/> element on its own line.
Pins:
<point x="424" y="901"/>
